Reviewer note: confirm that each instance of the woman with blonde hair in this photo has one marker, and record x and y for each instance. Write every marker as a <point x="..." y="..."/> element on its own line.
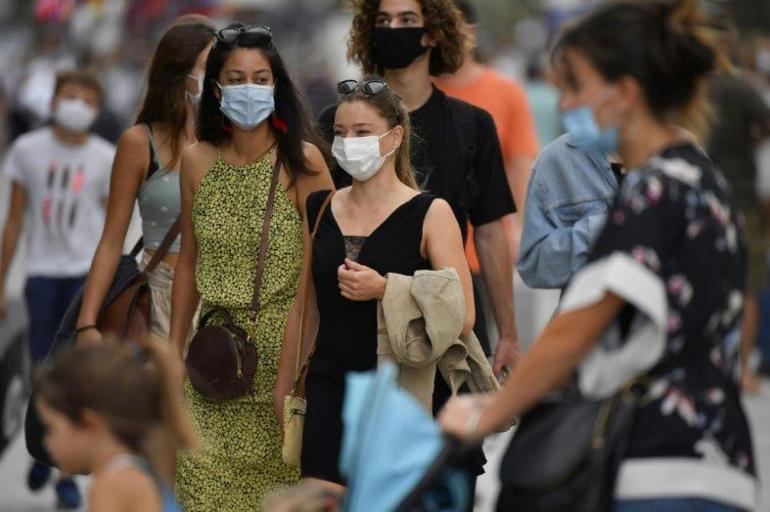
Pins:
<point x="380" y="224"/>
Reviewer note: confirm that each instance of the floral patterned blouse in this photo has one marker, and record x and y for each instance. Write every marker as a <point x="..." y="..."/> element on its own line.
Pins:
<point x="674" y="251"/>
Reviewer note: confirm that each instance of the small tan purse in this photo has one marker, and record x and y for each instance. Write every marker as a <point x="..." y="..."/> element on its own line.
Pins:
<point x="295" y="404"/>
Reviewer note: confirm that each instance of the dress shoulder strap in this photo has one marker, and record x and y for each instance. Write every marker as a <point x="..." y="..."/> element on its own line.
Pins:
<point x="422" y="204"/>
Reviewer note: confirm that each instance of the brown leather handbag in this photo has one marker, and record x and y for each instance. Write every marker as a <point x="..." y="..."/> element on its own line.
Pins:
<point x="222" y="358"/>
<point x="127" y="317"/>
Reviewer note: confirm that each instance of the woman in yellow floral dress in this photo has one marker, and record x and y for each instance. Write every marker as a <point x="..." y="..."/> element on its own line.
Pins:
<point x="250" y="115"/>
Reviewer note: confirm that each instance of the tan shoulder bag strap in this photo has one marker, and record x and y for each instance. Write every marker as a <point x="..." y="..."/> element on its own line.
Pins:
<point x="268" y="215"/>
<point x="300" y="374"/>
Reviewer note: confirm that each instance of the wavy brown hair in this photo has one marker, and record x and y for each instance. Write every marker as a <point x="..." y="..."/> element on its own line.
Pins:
<point x="173" y="59"/>
<point x="443" y="23"/>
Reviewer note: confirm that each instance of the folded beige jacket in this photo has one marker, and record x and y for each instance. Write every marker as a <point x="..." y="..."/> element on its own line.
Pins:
<point x="419" y="322"/>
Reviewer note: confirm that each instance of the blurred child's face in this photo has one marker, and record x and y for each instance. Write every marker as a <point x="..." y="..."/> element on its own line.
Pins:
<point x="67" y="442"/>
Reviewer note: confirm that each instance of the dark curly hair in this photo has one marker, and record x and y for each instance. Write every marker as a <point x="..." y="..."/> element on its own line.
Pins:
<point x="290" y="105"/>
<point x="443" y="23"/>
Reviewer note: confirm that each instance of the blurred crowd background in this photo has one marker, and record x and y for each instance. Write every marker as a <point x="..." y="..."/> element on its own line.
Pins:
<point x="38" y="38"/>
<point x="115" y="37"/>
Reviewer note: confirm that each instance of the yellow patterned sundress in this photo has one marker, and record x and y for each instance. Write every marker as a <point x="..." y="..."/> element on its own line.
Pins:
<point x="240" y="459"/>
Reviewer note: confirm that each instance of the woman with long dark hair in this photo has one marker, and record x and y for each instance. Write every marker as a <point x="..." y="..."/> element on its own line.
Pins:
<point x="658" y="307"/>
<point x="146" y="170"/>
<point x="252" y="123"/>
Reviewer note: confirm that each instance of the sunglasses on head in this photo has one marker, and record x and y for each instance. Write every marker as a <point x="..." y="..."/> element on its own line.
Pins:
<point x="229" y="35"/>
<point x="368" y="88"/>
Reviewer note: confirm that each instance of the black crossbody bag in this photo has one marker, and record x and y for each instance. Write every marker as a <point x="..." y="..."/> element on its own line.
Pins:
<point x="566" y="452"/>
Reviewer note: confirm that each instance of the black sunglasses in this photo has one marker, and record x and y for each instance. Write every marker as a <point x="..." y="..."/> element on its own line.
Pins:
<point x="229" y="35"/>
<point x="368" y="88"/>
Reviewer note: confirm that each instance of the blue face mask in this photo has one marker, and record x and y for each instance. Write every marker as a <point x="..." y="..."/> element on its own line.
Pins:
<point x="247" y="105"/>
<point x="585" y="132"/>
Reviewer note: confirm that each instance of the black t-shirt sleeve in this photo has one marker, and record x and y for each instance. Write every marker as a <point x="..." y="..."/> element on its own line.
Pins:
<point x="326" y="129"/>
<point x="495" y="199"/>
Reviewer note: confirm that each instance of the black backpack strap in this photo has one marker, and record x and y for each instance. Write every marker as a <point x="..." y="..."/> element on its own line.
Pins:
<point x="464" y="121"/>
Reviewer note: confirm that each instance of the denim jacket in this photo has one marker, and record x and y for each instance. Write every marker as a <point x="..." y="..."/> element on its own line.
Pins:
<point x="568" y="196"/>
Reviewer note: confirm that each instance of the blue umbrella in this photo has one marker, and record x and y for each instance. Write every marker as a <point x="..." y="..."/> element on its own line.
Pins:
<point x="392" y="450"/>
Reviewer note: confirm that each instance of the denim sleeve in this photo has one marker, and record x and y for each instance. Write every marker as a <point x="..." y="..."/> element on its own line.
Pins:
<point x="550" y="252"/>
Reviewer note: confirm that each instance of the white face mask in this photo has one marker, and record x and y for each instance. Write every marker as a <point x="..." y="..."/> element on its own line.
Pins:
<point x="360" y="156"/>
<point x="195" y="99"/>
<point x="74" y="114"/>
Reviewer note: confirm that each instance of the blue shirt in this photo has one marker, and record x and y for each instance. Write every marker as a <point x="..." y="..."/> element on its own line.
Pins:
<point x="543" y="99"/>
<point x="568" y="197"/>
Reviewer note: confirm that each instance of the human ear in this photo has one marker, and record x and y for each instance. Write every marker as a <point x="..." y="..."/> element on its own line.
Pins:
<point x="427" y="41"/>
<point x="398" y="136"/>
<point x="91" y="420"/>
<point x="628" y="92"/>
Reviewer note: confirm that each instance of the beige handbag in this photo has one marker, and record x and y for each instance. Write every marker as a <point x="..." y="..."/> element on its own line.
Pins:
<point x="295" y="404"/>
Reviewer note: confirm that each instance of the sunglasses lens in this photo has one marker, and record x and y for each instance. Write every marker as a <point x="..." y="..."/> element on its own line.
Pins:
<point x="259" y="31"/>
<point x="374" y="87"/>
<point x="228" y="35"/>
<point x="346" y="86"/>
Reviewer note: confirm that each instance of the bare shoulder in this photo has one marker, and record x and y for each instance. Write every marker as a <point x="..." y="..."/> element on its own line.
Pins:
<point x="310" y="150"/>
<point x="135" y="140"/>
<point x="128" y="489"/>
<point x="319" y="180"/>
<point x="197" y="159"/>
<point x="132" y="157"/>
<point x="314" y="157"/>
<point x="440" y="212"/>
<point x="201" y="150"/>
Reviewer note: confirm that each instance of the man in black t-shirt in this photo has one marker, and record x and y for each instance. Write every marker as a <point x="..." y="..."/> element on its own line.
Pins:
<point x="456" y="153"/>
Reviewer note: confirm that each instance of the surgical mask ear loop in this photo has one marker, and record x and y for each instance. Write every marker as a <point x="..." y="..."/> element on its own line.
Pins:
<point x="394" y="144"/>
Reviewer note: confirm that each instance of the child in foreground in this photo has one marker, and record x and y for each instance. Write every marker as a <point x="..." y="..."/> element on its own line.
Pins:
<point x="111" y="411"/>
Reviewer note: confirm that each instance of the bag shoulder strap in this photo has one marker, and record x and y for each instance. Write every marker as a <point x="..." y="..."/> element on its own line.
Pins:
<point x="266" y="218"/>
<point x="163" y="248"/>
<point x="301" y="373"/>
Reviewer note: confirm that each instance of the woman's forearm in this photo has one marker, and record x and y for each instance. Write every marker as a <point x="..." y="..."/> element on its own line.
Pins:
<point x="100" y="278"/>
<point x="184" y="301"/>
<point x="550" y="362"/>
<point x="287" y="363"/>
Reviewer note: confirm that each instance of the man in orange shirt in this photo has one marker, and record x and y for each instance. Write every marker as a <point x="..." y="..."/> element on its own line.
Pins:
<point x="506" y="101"/>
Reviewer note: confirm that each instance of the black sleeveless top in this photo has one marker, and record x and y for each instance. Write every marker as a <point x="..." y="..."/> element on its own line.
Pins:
<point x="347" y="333"/>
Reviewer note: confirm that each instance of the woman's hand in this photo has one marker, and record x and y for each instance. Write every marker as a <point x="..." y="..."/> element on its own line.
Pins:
<point x="358" y="282"/>
<point x="461" y="415"/>
<point x="89" y="337"/>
